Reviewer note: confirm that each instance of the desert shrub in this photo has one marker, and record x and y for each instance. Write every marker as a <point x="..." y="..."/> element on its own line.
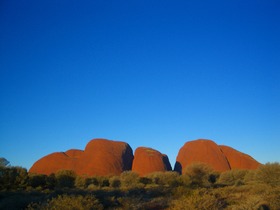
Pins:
<point x="115" y="182"/>
<point x="200" y="174"/>
<point x="13" y="178"/>
<point x="96" y="182"/>
<point x="103" y="181"/>
<point x="184" y="180"/>
<point x="251" y="202"/>
<point x="69" y="202"/>
<point x="180" y="191"/>
<point x="130" y="179"/>
<point x="272" y="197"/>
<point x="145" y="180"/>
<point x="232" y="177"/>
<point x="51" y="181"/>
<point x="37" y="180"/>
<point x="138" y="203"/>
<point x="168" y="178"/>
<point x="65" y="178"/>
<point x="80" y="182"/>
<point x="249" y="178"/>
<point x="268" y="174"/>
<point x="130" y="203"/>
<point x="252" y="196"/>
<point x="199" y="200"/>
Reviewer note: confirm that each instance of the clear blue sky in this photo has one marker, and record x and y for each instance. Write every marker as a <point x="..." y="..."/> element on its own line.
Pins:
<point x="150" y="73"/>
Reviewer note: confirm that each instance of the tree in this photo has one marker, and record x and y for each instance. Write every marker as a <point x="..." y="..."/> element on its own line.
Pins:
<point x="13" y="177"/>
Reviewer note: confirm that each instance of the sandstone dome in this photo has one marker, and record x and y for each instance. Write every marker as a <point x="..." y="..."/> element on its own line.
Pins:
<point x="101" y="157"/>
<point x="148" y="160"/>
<point x="201" y="151"/>
<point x="239" y="160"/>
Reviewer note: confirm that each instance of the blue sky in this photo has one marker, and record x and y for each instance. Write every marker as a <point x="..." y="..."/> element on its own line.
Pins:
<point x="150" y="73"/>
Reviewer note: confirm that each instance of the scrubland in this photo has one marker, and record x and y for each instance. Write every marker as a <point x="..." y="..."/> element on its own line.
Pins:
<point x="199" y="188"/>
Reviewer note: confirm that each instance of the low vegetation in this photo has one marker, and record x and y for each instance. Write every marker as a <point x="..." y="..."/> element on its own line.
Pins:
<point x="199" y="188"/>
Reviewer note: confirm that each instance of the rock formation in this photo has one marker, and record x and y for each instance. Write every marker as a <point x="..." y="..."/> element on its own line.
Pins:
<point x="239" y="160"/>
<point x="148" y="160"/>
<point x="105" y="157"/>
<point x="219" y="158"/>
<point x="54" y="162"/>
<point x="74" y="153"/>
<point x="204" y="151"/>
<point x="101" y="157"/>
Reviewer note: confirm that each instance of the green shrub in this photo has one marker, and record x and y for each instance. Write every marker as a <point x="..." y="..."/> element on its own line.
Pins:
<point x="13" y="178"/>
<point x="65" y="178"/>
<point x="80" y="182"/>
<point x="37" y="180"/>
<point x="168" y="178"/>
<point x="96" y="182"/>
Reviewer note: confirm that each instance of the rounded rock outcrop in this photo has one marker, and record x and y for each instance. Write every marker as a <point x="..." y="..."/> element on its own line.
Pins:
<point x="101" y="157"/>
<point x="74" y="153"/>
<point x="105" y="157"/>
<point x="53" y="162"/>
<point x="201" y="151"/>
<point x="148" y="160"/>
<point x="239" y="160"/>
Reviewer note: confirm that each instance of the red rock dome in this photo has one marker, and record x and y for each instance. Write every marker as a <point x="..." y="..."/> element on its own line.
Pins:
<point x="203" y="151"/>
<point x="147" y="160"/>
<point x="53" y="162"/>
<point x="239" y="160"/>
<point x="74" y="153"/>
<point x="105" y="157"/>
<point x="101" y="157"/>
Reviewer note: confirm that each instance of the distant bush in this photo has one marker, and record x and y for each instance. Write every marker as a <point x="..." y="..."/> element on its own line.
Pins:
<point x="130" y="179"/>
<point x="115" y="182"/>
<point x="80" y="182"/>
<point x="168" y="178"/>
<point x="65" y="178"/>
<point x="95" y="182"/>
<point x="37" y="180"/>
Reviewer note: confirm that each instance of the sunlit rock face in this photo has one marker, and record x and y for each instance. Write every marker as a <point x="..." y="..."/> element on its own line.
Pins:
<point x="105" y="157"/>
<point x="203" y="151"/>
<point x="101" y="157"/>
<point x="54" y="162"/>
<point x="148" y="160"/>
<point x="239" y="160"/>
<point x="219" y="158"/>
